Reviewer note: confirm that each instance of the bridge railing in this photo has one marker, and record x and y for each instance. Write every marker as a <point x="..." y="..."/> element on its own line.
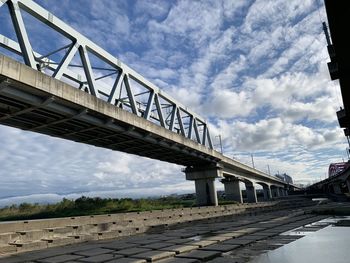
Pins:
<point x="85" y="65"/>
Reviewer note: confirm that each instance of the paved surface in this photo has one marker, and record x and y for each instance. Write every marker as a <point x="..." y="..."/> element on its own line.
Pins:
<point x="226" y="241"/>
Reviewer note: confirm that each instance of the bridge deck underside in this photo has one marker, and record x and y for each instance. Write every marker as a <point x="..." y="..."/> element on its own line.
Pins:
<point x="31" y="109"/>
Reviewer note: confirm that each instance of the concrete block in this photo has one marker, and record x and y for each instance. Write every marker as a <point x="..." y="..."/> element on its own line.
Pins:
<point x="152" y="256"/>
<point x="31" y="235"/>
<point x="59" y="259"/>
<point x="100" y="258"/>
<point x="58" y="241"/>
<point x="179" y="240"/>
<point x="93" y="252"/>
<point x="6" y="238"/>
<point x="53" y="232"/>
<point x="178" y="249"/>
<point x="218" y="238"/>
<point x="131" y="251"/>
<point x="238" y="241"/>
<point x="81" y="238"/>
<point x="6" y="249"/>
<point x="202" y="243"/>
<point x="105" y="235"/>
<point x="200" y="255"/>
<point x="28" y="246"/>
<point x="156" y="245"/>
<point x="119" y="245"/>
<point x="143" y="241"/>
<point x="220" y="247"/>
<point x="128" y="260"/>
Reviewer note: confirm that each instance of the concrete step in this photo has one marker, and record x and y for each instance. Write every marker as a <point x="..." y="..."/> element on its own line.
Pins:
<point x="59" y="241"/>
<point x="6" y="249"/>
<point x="28" y="246"/>
<point x="106" y="234"/>
<point x="53" y="232"/>
<point x="31" y="235"/>
<point x="81" y="237"/>
<point x="102" y="227"/>
<point x="6" y="238"/>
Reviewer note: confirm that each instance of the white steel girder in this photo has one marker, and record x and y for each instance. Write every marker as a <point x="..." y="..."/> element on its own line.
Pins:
<point x="159" y="107"/>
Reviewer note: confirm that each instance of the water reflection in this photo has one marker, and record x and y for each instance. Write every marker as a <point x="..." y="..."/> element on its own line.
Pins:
<point x="328" y="245"/>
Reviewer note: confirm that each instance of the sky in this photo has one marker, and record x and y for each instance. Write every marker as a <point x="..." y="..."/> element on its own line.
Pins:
<point x="256" y="70"/>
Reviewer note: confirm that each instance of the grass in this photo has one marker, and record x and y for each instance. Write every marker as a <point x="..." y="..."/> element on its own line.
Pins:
<point x="92" y="206"/>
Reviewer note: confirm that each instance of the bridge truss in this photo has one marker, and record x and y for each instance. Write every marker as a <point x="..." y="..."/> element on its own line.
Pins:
<point x="85" y="65"/>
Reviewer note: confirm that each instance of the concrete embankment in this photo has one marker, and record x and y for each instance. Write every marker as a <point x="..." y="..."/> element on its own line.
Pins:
<point x="19" y="236"/>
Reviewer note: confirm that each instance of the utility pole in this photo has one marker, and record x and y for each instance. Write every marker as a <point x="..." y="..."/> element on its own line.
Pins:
<point x="268" y="168"/>
<point x="252" y="160"/>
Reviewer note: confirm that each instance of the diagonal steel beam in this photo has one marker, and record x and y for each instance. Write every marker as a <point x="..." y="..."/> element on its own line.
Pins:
<point x="179" y="119"/>
<point x="196" y="131"/>
<point x="159" y="110"/>
<point x="88" y="70"/>
<point x="62" y="67"/>
<point x="21" y="34"/>
<point x="149" y="105"/>
<point x="130" y="95"/>
<point x="173" y="117"/>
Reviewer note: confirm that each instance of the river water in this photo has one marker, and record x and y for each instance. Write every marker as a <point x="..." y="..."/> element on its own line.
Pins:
<point x="328" y="245"/>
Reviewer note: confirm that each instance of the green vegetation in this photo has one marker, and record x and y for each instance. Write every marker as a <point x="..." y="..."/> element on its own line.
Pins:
<point x="92" y="206"/>
<point x="89" y="206"/>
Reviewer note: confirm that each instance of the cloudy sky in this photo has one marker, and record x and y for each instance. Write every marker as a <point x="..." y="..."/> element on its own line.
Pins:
<point x="256" y="70"/>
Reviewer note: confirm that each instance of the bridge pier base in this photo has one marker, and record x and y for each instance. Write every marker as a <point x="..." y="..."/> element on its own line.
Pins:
<point x="280" y="191"/>
<point x="275" y="192"/>
<point x="251" y="193"/>
<point x="267" y="192"/>
<point x="232" y="189"/>
<point x="204" y="180"/>
<point x="336" y="188"/>
<point x="348" y="184"/>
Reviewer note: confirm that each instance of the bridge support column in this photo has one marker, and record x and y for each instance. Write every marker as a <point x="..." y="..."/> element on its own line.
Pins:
<point x="232" y="189"/>
<point x="283" y="192"/>
<point x="336" y="188"/>
<point x="267" y="192"/>
<point x="280" y="191"/>
<point x="275" y="192"/>
<point x="251" y="193"/>
<point x="204" y="179"/>
<point x="348" y="184"/>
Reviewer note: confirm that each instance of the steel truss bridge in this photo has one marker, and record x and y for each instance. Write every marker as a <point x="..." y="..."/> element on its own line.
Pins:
<point x="80" y="92"/>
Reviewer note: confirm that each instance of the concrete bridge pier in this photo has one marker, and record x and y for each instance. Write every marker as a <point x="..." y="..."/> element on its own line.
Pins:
<point x="204" y="179"/>
<point x="280" y="191"/>
<point x="232" y="189"/>
<point x="267" y="192"/>
<point x="348" y="184"/>
<point x="251" y="192"/>
<point x="336" y="188"/>
<point x="274" y="191"/>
